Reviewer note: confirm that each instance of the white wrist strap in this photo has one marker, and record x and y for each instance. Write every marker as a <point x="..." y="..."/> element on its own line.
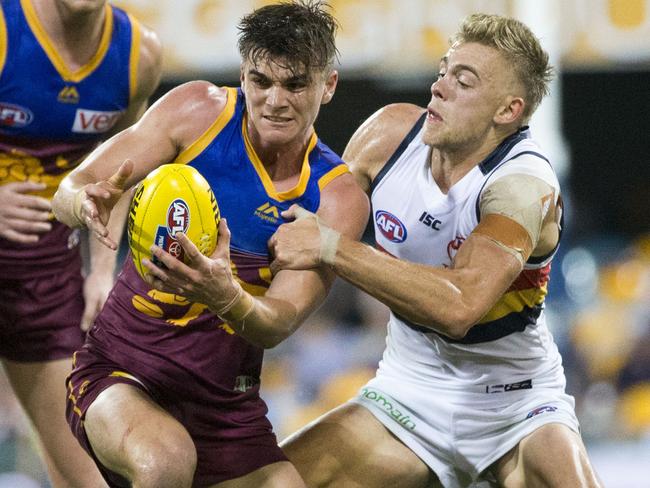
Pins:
<point x="329" y="238"/>
<point x="329" y="242"/>
<point x="76" y="207"/>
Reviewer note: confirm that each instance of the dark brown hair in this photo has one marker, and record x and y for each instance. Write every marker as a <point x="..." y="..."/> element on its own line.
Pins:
<point x="297" y="34"/>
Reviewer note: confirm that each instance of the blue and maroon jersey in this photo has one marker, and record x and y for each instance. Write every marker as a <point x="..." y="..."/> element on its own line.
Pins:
<point x="164" y="339"/>
<point x="52" y="117"/>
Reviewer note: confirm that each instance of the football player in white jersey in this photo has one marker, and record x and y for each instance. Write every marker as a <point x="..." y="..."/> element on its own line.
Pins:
<point x="467" y="215"/>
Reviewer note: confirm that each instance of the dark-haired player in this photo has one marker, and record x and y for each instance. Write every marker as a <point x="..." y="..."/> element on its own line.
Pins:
<point x="71" y="74"/>
<point x="167" y="394"/>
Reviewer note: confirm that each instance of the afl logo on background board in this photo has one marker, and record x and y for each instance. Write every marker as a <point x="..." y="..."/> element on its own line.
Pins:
<point x="390" y="226"/>
<point x="14" y="116"/>
<point x="178" y="217"/>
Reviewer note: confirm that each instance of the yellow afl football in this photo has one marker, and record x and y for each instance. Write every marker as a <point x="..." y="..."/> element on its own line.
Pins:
<point x="173" y="198"/>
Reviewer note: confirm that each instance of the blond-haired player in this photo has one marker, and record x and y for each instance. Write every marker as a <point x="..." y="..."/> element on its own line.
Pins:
<point x="467" y="218"/>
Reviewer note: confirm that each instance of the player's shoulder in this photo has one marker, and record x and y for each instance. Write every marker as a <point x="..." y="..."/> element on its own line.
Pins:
<point x="149" y="60"/>
<point x="150" y="48"/>
<point x="406" y="113"/>
<point x="189" y="109"/>
<point x="196" y="100"/>
<point x="378" y="138"/>
<point x="345" y="206"/>
<point x="527" y="164"/>
<point x="390" y="124"/>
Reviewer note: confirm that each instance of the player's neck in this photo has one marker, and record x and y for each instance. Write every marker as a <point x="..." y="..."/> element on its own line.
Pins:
<point x="450" y="164"/>
<point x="282" y="162"/>
<point x="283" y="166"/>
<point x="75" y="34"/>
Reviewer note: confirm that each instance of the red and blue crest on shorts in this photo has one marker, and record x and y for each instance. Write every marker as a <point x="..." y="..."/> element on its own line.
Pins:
<point x="542" y="409"/>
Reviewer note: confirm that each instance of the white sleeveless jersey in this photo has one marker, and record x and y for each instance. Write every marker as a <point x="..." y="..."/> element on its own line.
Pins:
<point x="511" y="348"/>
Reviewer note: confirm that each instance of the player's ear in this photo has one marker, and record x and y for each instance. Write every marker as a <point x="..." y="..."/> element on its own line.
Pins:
<point x="511" y="110"/>
<point x="330" y="86"/>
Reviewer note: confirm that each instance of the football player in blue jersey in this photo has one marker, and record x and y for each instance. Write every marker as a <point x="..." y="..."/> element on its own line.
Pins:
<point x="71" y="74"/>
<point x="165" y="392"/>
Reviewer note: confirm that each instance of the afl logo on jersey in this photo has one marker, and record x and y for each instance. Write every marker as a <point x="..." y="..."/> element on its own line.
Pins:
<point x="14" y="115"/>
<point x="390" y="226"/>
<point x="178" y="217"/>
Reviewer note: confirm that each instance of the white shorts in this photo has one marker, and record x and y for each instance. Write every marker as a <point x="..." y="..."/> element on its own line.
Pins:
<point x="459" y="436"/>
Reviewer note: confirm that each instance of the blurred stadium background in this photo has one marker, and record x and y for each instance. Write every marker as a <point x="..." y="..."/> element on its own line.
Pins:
<point x="596" y="127"/>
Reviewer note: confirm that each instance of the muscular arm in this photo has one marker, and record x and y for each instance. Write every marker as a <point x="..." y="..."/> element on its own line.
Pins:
<point x="449" y="300"/>
<point x="90" y="193"/>
<point x="87" y="195"/>
<point x="518" y="218"/>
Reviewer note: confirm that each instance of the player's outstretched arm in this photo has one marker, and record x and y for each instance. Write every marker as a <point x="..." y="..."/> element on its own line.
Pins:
<point x="450" y="300"/>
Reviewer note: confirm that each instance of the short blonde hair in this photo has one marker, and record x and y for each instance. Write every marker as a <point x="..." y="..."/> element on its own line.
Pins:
<point x="519" y="45"/>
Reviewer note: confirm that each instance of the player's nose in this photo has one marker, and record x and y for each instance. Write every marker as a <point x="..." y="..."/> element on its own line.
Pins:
<point x="275" y="96"/>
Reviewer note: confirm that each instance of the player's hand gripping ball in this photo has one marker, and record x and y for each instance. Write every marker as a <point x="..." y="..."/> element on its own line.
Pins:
<point x="171" y="199"/>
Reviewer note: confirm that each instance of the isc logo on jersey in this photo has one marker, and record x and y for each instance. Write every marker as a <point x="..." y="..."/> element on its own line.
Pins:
<point x="172" y="199"/>
<point x="390" y="226"/>
<point x="93" y="121"/>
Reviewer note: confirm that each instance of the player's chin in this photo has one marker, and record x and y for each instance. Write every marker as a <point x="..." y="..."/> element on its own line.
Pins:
<point x="277" y="136"/>
<point x="84" y="6"/>
<point x="431" y="136"/>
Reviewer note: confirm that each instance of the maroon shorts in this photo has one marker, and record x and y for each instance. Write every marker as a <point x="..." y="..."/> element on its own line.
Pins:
<point x="40" y="317"/>
<point x="222" y="454"/>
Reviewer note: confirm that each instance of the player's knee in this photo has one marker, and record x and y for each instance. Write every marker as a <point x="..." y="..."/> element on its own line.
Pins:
<point x="166" y="465"/>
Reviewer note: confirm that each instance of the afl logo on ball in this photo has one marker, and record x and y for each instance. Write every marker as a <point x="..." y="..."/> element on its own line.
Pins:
<point x="178" y="217"/>
<point x="390" y="226"/>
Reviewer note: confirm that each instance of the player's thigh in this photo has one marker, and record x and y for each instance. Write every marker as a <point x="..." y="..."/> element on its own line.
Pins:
<point x="551" y="456"/>
<point x="130" y="434"/>
<point x="348" y="447"/>
<point x="40" y="387"/>
<point x="276" y="475"/>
